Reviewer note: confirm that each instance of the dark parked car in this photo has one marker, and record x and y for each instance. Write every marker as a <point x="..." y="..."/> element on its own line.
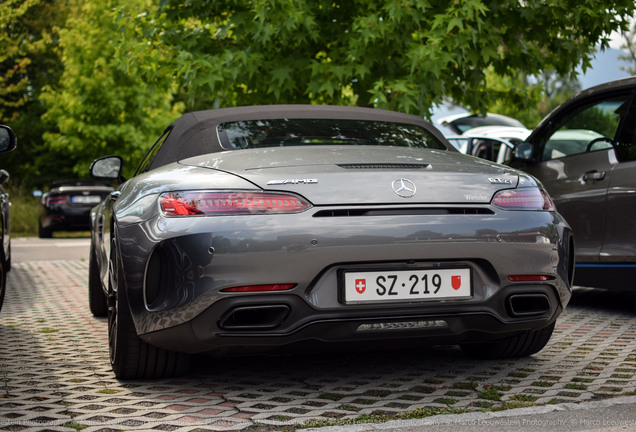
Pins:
<point x="269" y="228"/>
<point x="584" y="152"/>
<point x="67" y="205"/>
<point x="8" y="142"/>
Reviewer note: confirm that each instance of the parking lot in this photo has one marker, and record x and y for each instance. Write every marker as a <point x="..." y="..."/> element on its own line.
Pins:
<point x="55" y="373"/>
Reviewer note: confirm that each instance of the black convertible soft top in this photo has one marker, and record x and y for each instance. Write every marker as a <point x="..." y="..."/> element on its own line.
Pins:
<point x="195" y="133"/>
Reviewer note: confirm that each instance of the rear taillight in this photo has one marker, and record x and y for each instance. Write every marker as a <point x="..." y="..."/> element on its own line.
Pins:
<point x="523" y="199"/>
<point x="55" y="201"/>
<point x="230" y="203"/>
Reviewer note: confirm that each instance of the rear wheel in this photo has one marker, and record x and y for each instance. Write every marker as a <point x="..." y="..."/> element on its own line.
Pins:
<point x="521" y="345"/>
<point x="96" y="297"/>
<point x="130" y="356"/>
<point x="44" y="232"/>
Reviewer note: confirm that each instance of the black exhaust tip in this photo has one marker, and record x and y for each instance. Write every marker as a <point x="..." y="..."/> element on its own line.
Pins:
<point x="522" y="305"/>
<point x="262" y="317"/>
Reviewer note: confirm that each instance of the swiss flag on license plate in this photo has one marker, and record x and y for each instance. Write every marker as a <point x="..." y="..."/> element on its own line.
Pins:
<point x="361" y="285"/>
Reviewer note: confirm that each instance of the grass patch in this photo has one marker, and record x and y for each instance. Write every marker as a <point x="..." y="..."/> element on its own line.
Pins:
<point x="492" y="393"/>
<point x="516" y="401"/>
<point x="457" y="393"/>
<point x="446" y="401"/>
<point x="470" y="385"/>
<point x="24" y="213"/>
<point x="378" y="418"/>
<point x="542" y="384"/>
<point x="348" y="407"/>
<point x="330" y="396"/>
<point x="524" y="398"/>
<point x="582" y="380"/>
<point x="76" y="426"/>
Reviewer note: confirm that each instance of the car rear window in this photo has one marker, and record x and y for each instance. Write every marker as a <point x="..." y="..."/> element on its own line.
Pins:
<point x="249" y="134"/>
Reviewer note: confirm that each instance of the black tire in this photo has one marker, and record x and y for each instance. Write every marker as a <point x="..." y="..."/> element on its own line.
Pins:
<point x="130" y="356"/>
<point x="44" y="232"/>
<point x="521" y="345"/>
<point x="3" y="278"/>
<point x="97" y="301"/>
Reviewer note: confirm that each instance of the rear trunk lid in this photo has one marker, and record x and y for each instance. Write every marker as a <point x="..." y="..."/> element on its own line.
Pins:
<point x="358" y="175"/>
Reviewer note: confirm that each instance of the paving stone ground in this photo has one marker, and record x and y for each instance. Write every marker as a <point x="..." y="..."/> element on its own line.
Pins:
<point x="55" y="374"/>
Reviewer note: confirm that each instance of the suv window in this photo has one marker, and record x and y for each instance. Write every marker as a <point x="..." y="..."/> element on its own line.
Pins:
<point x="626" y="142"/>
<point x="591" y="127"/>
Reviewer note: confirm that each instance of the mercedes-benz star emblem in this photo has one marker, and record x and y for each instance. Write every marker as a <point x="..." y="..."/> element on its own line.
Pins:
<point x="404" y="187"/>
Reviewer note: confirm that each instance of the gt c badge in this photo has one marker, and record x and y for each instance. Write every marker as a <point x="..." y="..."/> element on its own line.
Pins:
<point x="404" y="187"/>
<point x="499" y="181"/>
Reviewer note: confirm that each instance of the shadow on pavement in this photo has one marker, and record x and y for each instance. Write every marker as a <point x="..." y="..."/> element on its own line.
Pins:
<point x="601" y="299"/>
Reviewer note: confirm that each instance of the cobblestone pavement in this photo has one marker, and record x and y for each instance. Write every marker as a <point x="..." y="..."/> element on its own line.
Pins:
<point x="55" y="373"/>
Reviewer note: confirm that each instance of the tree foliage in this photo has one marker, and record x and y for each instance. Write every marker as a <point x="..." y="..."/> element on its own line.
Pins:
<point x="29" y="60"/>
<point x="83" y="78"/>
<point x="398" y="54"/>
<point x="629" y="46"/>
<point x="98" y="107"/>
<point x="548" y="89"/>
<point x="14" y="57"/>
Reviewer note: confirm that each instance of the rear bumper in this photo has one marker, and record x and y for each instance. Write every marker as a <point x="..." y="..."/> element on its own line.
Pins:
<point x="67" y="220"/>
<point x="283" y="322"/>
<point x="176" y="269"/>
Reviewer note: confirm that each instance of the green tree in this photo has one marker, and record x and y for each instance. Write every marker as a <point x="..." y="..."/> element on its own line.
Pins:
<point x="100" y="107"/>
<point x="548" y="89"/>
<point x="629" y="46"/>
<point x="29" y="60"/>
<point x="398" y="54"/>
<point x="128" y="64"/>
<point x="14" y="57"/>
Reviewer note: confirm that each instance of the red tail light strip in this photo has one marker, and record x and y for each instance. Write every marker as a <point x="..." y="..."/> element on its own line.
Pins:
<point x="230" y="203"/>
<point x="56" y="200"/>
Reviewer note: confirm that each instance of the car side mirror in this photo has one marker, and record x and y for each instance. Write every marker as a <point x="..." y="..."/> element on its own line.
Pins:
<point x="107" y="167"/>
<point x="4" y="176"/>
<point x="523" y="151"/>
<point x="8" y="140"/>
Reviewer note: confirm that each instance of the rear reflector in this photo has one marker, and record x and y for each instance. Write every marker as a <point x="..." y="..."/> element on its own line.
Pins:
<point x="259" y="288"/>
<point x="528" y="278"/>
<point x="229" y="203"/>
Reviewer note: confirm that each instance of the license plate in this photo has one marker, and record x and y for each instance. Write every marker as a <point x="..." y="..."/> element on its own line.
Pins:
<point x="87" y="199"/>
<point x="415" y="285"/>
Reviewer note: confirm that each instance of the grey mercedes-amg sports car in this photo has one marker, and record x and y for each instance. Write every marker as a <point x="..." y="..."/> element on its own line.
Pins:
<point x="277" y="228"/>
